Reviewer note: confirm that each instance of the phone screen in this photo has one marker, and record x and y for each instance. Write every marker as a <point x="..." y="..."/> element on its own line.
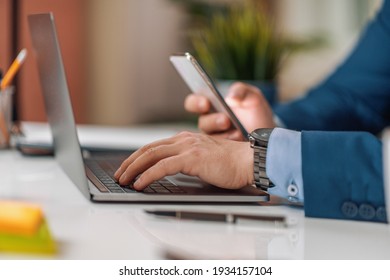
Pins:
<point x="199" y="82"/>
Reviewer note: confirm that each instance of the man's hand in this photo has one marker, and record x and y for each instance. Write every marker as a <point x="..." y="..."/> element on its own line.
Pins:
<point x="223" y="163"/>
<point x="246" y="101"/>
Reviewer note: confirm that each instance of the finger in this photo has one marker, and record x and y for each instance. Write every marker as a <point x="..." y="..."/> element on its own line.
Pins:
<point x="125" y="164"/>
<point x="235" y="135"/>
<point x="165" y="167"/>
<point x="146" y="160"/>
<point x="215" y="122"/>
<point x="238" y="92"/>
<point x="197" y="104"/>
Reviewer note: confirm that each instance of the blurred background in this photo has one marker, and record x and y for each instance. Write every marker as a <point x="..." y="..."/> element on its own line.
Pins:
<point x="116" y="52"/>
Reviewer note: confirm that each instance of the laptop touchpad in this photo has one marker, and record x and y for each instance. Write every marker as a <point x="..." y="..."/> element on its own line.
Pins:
<point x="186" y="181"/>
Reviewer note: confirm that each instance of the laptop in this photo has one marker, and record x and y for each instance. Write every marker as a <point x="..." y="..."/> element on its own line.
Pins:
<point x="93" y="175"/>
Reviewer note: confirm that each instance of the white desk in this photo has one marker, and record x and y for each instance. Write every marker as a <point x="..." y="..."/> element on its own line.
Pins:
<point x="86" y="230"/>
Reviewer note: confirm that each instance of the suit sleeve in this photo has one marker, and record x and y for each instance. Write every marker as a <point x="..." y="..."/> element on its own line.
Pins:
<point x="357" y="95"/>
<point x="342" y="175"/>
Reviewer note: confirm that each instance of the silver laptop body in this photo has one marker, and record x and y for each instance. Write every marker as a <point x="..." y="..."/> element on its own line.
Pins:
<point x="67" y="147"/>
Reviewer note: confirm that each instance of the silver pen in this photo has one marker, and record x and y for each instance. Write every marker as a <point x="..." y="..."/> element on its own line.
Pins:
<point x="216" y="217"/>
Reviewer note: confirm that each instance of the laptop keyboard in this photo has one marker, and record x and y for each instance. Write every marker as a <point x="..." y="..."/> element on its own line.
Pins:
<point x="104" y="170"/>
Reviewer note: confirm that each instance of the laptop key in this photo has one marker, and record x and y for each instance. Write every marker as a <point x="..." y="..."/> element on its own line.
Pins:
<point x="107" y="181"/>
<point x="117" y="191"/>
<point x="128" y="190"/>
<point x="167" y="184"/>
<point x="160" y="190"/>
<point x="112" y="185"/>
<point x="148" y="190"/>
<point x="176" y="190"/>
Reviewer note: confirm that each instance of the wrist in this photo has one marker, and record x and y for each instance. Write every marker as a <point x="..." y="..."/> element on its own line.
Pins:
<point x="242" y="156"/>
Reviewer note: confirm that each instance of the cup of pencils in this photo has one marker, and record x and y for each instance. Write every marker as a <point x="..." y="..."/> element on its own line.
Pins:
<point x="6" y="93"/>
<point x="5" y="116"/>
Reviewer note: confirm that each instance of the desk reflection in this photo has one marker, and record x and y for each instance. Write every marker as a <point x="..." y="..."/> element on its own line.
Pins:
<point x="183" y="239"/>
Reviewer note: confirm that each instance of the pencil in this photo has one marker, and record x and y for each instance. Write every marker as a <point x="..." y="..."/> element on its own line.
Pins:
<point x="13" y="69"/>
<point x="5" y="82"/>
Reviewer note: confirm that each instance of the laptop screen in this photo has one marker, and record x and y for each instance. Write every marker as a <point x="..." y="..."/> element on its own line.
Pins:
<point x="57" y="100"/>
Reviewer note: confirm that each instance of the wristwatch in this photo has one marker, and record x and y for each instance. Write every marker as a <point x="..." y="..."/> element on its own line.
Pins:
<point x="259" y="142"/>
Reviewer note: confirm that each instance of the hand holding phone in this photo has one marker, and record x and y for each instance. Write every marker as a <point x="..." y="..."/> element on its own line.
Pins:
<point x="200" y="82"/>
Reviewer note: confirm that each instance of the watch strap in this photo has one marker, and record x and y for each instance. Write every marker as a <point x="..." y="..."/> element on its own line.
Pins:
<point x="259" y="142"/>
<point x="261" y="179"/>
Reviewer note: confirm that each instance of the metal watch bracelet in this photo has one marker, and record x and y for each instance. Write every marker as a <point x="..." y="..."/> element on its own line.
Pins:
<point x="261" y="179"/>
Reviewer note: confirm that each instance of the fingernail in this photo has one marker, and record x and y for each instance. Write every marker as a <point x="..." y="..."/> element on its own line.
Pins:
<point x="235" y="98"/>
<point x="137" y="183"/>
<point x="122" y="179"/>
<point x="202" y="104"/>
<point x="221" y="121"/>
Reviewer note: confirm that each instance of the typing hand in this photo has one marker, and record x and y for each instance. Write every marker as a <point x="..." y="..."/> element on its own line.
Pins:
<point x="223" y="163"/>
<point x="246" y="101"/>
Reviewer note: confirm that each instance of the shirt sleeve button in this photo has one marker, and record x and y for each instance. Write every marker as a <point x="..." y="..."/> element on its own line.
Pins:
<point x="349" y="209"/>
<point x="381" y="214"/>
<point x="292" y="190"/>
<point x="366" y="211"/>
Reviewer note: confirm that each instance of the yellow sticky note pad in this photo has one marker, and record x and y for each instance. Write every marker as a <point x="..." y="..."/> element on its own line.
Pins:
<point x="39" y="243"/>
<point x="20" y="218"/>
<point x="23" y="229"/>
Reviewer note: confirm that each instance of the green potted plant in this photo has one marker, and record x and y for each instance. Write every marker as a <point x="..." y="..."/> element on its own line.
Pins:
<point x="241" y="43"/>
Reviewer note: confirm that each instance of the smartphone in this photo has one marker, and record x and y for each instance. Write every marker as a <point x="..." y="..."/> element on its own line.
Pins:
<point x="200" y="82"/>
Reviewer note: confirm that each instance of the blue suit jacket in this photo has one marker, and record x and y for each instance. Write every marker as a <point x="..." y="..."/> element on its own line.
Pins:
<point x="342" y="171"/>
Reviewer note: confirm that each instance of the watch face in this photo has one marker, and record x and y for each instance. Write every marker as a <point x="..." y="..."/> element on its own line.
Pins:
<point x="262" y="134"/>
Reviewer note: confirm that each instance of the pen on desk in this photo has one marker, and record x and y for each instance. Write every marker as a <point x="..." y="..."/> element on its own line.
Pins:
<point x="15" y="66"/>
<point x="217" y="217"/>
